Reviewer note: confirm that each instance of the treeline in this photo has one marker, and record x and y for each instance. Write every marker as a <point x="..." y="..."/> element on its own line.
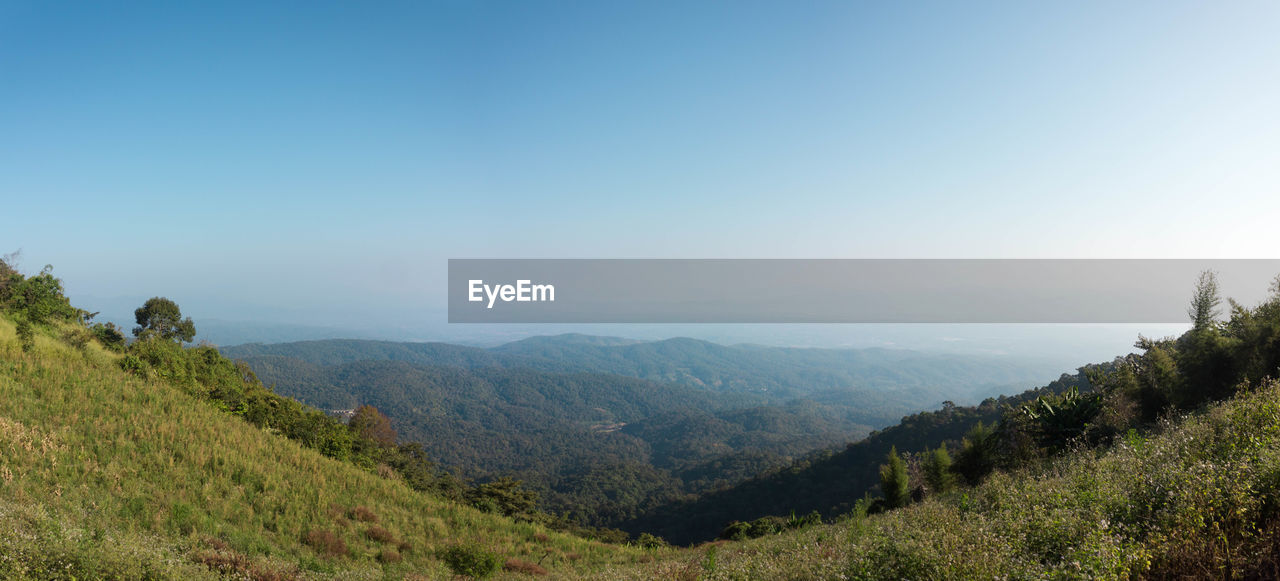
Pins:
<point x="939" y="453"/>
<point x="1211" y="362"/>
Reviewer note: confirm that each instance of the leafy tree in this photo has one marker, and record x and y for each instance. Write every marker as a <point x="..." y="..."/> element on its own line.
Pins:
<point x="937" y="470"/>
<point x="369" y="423"/>
<point x="38" y="299"/>
<point x="1204" y="304"/>
<point x="162" y="317"/>
<point x="978" y="455"/>
<point x="894" y="482"/>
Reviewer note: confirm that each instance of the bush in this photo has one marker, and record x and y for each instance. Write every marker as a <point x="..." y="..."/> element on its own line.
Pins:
<point x="379" y="534"/>
<point x="26" y="335"/>
<point x="649" y="541"/>
<point x="470" y="560"/>
<point x="326" y="543"/>
<point x="518" y="566"/>
<point x="109" y="335"/>
<point x="363" y="514"/>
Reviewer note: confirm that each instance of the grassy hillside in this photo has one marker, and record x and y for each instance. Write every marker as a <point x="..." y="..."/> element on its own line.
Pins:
<point x="1197" y="497"/>
<point x="107" y="475"/>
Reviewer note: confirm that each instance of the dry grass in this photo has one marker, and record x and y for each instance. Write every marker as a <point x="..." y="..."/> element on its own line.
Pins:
<point x="524" y="567"/>
<point x="326" y="543"/>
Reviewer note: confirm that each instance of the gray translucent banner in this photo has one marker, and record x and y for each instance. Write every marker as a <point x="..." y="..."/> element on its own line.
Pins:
<point x="840" y="291"/>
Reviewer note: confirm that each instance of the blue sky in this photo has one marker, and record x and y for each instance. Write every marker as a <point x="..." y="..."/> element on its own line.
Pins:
<point x="320" y="162"/>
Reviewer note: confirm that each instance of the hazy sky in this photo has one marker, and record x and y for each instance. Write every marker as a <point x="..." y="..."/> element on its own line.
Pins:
<point x="322" y="161"/>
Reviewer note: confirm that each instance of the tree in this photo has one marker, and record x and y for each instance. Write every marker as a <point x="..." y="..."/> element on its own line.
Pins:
<point x="894" y="482"/>
<point x="506" y="496"/>
<point x="37" y="299"/>
<point x="1204" y="305"/>
<point x="371" y="424"/>
<point x="937" y="470"/>
<point x="162" y="317"/>
<point x="977" y="455"/>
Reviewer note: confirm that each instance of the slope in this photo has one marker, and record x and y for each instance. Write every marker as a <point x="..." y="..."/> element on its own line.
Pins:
<point x="1196" y="497"/>
<point x="107" y="475"/>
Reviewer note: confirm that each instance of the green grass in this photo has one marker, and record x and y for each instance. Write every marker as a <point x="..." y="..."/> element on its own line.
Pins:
<point x="1199" y="499"/>
<point x="106" y="475"/>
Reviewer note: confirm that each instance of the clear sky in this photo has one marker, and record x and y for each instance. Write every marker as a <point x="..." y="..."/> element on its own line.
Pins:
<point x="314" y="162"/>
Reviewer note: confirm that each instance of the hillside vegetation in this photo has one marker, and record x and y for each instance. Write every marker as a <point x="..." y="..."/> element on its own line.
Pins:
<point x="1196" y="497"/>
<point x="147" y="474"/>
<point x="151" y="460"/>
<point x="606" y="429"/>
<point x="827" y="482"/>
<point x="600" y="447"/>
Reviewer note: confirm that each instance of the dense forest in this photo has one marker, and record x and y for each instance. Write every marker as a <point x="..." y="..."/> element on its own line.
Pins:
<point x="828" y="482"/>
<point x="605" y="429"/>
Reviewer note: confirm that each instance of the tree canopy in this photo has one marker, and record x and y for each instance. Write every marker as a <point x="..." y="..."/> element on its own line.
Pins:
<point x="162" y="317"/>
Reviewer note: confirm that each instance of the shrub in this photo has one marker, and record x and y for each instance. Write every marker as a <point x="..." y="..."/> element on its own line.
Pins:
<point x="649" y="541"/>
<point x="26" y="335"/>
<point x="380" y="534"/>
<point x="363" y="514"/>
<point x="470" y="560"/>
<point x="389" y="556"/>
<point x="326" y="543"/>
<point x="133" y="364"/>
<point x="109" y="335"/>
<point x="518" y="566"/>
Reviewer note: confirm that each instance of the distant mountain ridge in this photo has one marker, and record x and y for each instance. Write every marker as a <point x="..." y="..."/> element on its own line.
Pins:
<point x="778" y="372"/>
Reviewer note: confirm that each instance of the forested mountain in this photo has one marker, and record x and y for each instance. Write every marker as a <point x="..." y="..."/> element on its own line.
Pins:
<point x="563" y="432"/>
<point x="569" y="414"/>
<point x="830" y="482"/>
<point x="776" y="372"/>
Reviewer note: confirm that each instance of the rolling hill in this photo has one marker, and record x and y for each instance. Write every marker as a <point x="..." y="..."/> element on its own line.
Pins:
<point x="108" y="475"/>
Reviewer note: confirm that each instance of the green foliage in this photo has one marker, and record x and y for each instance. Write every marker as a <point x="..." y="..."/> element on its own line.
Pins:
<point x="179" y="470"/>
<point x="894" y="483"/>
<point x="368" y="423"/>
<point x="506" y="496"/>
<point x="109" y="335"/>
<point x="937" y="471"/>
<point x="26" y="334"/>
<point x="162" y="317"/>
<point x="37" y="299"/>
<point x="470" y="560"/>
<point x="1055" y="420"/>
<point x="978" y="455"/>
<point x="1205" y="302"/>
<point x="649" y="541"/>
